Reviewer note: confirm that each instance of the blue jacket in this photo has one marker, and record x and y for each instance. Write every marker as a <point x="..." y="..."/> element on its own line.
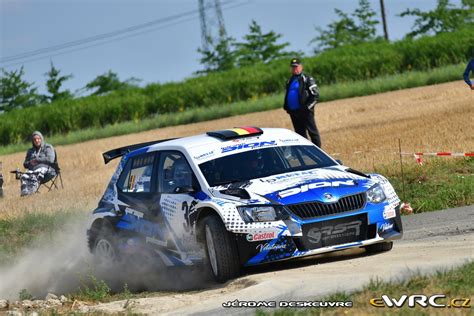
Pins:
<point x="309" y="91"/>
<point x="469" y="68"/>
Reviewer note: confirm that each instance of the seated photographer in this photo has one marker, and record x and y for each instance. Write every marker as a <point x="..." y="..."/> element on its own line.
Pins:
<point x="38" y="164"/>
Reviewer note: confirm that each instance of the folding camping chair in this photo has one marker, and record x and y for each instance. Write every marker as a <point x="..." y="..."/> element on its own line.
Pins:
<point x="52" y="182"/>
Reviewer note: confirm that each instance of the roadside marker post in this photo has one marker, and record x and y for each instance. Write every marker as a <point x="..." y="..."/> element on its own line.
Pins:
<point x="1" y="180"/>
<point x="401" y="168"/>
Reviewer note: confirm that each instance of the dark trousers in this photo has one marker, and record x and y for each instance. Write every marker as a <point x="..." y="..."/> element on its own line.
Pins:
<point x="303" y="123"/>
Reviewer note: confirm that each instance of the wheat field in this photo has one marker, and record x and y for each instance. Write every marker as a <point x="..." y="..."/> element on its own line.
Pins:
<point x="363" y="132"/>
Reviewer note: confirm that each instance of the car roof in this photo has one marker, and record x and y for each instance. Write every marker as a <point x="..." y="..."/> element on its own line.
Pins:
<point x="206" y="141"/>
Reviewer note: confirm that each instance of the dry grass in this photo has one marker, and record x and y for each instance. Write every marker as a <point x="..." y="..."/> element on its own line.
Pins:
<point x="433" y="118"/>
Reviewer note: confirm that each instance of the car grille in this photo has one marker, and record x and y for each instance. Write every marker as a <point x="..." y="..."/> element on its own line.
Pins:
<point x="317" y="209"/>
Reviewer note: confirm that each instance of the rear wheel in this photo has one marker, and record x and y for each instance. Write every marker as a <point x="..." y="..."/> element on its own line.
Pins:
<point x="380" y="247"/>
<point x="221" y="250"/>
<point x="105" y="247"/>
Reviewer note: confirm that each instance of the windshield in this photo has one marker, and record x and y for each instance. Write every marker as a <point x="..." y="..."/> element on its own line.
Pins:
<point x="263" y="163"/>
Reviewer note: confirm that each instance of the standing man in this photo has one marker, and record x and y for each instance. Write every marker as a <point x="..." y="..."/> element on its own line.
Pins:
<point x="302" y="94"/>
<point x="469" y="68"/>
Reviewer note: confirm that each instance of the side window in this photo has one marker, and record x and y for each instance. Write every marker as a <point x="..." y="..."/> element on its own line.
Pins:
<point x="136" y="176"/>
<point x="174" y="171"/>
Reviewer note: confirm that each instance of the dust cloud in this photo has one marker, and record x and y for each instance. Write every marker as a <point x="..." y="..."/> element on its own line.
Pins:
<point x="61" y="263"/>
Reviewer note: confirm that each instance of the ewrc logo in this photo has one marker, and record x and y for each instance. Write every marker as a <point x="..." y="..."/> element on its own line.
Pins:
<point x="249" y="145"/>
<point x="315" y="185"/>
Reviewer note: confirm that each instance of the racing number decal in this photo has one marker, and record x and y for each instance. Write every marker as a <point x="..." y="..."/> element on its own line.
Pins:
<point x="190" y="213"/>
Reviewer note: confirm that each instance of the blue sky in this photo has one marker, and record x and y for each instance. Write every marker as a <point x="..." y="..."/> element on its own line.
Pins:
<point x="168" y="52"/>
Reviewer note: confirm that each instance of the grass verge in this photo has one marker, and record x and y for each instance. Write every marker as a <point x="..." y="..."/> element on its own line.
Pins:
<point x="454" y="283"/>
<point x="439" y="184"/>
<point x="332" y="92"/>
<point x="17" y="233"/>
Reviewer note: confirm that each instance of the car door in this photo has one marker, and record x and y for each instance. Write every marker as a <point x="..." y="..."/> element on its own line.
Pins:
<point x="137" y="192"/>
<point x="177" y="186"/>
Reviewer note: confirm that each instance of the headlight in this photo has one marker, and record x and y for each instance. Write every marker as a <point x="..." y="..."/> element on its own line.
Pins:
<point x="375" y="194"/>
<point x="258" y="213"/>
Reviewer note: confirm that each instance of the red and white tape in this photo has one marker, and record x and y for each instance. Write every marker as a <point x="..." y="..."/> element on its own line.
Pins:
<point x="419" y="156"/>
<point x="441" y="154"/>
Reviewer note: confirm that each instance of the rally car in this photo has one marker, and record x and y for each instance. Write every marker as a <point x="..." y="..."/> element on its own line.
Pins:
<point x="239" y="197"/>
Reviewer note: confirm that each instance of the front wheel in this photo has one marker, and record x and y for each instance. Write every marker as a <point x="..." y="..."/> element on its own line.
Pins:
<point x="380" y="247"/>
<point x="221" y="250"/>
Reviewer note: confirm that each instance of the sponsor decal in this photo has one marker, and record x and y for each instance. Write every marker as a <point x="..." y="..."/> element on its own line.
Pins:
<point x="315" y="234"/>
<point x="386" y="226"/>
<point x="260" y="236"/>
<point x="247" y="146"/>
<point x="204" y="155"/>
<point x="268" y="247"/>
<point x="389" y="212"/>
<point x="131" y="211"/>
<point x="289" y="176"/>
<point x="424" y="301"/>
<point x="222" y="202"/>
<point x="290" y="140"/>
<point x="286" y="304"/>
<point x="315" y="185"/>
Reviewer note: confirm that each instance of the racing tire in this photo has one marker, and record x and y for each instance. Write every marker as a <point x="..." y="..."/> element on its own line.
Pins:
<point x="105" y="246"/>
<point x="221" y="250"/>
<point x="380" y="247"/>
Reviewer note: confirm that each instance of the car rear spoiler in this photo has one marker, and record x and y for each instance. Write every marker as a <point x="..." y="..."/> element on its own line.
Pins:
<point x="119" y="152"/>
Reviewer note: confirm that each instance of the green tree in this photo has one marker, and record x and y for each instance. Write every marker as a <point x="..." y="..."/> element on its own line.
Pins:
<point x="260" y="47"/>
<point x="446" y="17"/>
<point x="15" y="92"/>
<point x="54" y="83"/>
<point x="108" y="82"/>
<point x="358" y="27"/>
<point x="219" y="57"/>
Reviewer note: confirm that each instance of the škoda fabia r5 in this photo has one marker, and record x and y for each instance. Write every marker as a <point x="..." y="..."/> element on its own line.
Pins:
<point x="239" y="197"/>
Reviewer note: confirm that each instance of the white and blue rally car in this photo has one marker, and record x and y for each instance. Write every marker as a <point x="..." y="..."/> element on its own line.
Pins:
<point x="239" y="197"/>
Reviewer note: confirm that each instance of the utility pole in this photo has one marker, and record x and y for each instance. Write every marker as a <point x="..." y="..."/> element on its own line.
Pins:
<point x="212" y="22"/>
<point x="384" y="20"/>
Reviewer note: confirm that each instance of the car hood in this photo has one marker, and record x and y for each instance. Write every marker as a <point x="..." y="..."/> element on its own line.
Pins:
<point x="322" y="184"/>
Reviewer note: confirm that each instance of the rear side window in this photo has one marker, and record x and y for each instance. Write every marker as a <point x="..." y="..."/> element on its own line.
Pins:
<point x="137" y="174"/>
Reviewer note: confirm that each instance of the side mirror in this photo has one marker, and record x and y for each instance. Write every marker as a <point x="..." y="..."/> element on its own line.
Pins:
<point x="184" y="189"/>
<point x="339" y="161"/>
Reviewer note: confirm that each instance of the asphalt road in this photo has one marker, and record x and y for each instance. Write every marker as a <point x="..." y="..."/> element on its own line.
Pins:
<point x="432" y="241"/>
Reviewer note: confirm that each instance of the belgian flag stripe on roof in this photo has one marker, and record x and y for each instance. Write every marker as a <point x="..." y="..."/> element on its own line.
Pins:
<point x="236" y="132"/>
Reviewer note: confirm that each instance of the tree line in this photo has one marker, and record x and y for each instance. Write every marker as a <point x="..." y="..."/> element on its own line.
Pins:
<point x="256" y="47"/>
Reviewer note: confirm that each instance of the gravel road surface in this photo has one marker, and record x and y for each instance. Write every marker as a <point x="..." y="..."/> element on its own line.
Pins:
<point x="432" y="241"/>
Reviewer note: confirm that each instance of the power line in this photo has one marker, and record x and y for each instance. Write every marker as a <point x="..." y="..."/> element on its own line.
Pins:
<point x="104" y="36"/>
<point x="114" y="39"/>
<point x="98" y="44"/>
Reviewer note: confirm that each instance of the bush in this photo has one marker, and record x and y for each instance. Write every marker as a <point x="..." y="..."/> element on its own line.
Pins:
<point x="349" y="63"/>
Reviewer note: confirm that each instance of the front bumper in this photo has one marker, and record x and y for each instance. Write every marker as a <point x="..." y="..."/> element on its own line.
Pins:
<point x="299" y="238"/>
